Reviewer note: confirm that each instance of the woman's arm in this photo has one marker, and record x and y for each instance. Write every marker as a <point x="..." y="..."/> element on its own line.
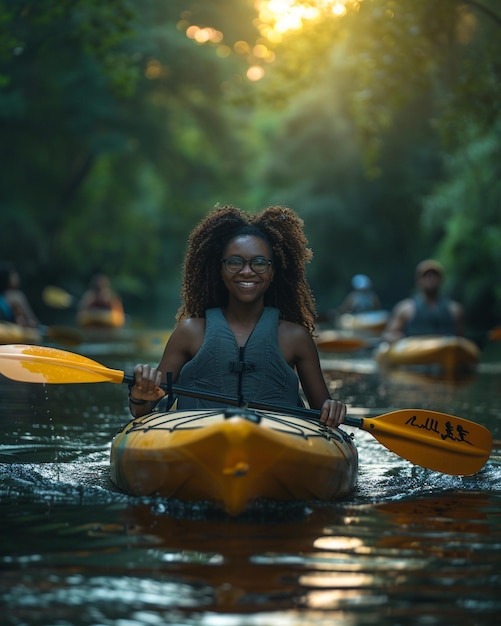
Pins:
<point x="299" y="348"/>
<point x="183" y="344"/>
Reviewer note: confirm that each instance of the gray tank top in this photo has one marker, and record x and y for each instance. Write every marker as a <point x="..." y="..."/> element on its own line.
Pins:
<point x="257" y="372"/>
<point x="428" y="320"/>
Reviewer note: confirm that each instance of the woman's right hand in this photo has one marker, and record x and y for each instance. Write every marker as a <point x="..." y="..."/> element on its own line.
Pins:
<point x="147" y="381"/>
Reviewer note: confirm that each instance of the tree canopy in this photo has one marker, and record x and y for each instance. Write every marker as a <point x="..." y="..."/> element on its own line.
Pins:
<point x="377" y="120"/>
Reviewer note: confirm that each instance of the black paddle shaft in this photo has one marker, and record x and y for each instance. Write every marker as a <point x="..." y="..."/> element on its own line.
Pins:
<point x="308" y="414"/>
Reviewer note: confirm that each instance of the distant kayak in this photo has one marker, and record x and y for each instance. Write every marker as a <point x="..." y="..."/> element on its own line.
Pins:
<point x="495" y="334"/>
<point x="101" y="318"/>
<point x="14" y="333"/>
<point x="449" y="353"/>
<point x="342" y="341"/>
<point x="152" y="341"/>
<point x="128" y="338"/>
<point x="369" y="321"/>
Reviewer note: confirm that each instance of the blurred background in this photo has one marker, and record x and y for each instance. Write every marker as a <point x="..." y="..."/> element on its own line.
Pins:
<point x="124" y="122"/>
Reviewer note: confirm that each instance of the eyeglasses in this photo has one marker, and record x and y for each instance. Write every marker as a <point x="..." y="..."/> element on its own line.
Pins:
<point x="235" y="264"/>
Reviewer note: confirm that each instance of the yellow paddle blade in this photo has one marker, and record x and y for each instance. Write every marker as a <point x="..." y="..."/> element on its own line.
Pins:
<point x="39" y="364"/>
<point x="438" y="441"/>
<point x="56" y="297"/>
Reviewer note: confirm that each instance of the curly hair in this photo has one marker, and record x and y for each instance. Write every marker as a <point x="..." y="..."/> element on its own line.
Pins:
<point x="282" y="229"/>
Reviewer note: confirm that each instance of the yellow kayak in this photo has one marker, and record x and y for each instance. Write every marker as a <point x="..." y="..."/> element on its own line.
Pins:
<point x="450" y="353"/>
<point x="495" y="334"/>
<point x="101" y="318"/>
<point x="368" y="321"/>
<point x="341" y="341"/>
<point x="14" y="333"/>
<point x="152" y="341"/>
<point x="233" y="457"/>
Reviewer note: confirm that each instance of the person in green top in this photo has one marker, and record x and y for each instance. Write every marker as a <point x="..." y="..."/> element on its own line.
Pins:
<point x="247" y="318"/>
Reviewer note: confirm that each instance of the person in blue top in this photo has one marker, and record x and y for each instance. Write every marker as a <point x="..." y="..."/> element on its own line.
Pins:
<point x="6" y="312"/>
<point x="428" y="312"/>
<point x="14" y="305"/>
<point x="362" y="298"/>
<point x="246" y="322"/>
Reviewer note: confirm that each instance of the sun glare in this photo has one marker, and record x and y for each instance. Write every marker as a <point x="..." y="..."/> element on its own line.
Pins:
<point x="275" y="18"/>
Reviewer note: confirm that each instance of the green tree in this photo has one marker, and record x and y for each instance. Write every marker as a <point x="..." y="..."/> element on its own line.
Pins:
<point x="462" y="217"/>
<point x="116" y="139"/>
<point x="418" y="82"/>
<point x="119" y="131"/>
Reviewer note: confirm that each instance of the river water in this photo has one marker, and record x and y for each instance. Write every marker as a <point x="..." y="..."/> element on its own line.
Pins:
<point x="409" y="546"/>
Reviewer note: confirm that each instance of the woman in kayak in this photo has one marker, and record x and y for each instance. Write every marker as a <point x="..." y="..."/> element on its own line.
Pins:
<point x="245" y="326"/>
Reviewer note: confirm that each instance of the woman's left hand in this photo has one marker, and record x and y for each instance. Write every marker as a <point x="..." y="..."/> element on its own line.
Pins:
<point x="333" y="413"/>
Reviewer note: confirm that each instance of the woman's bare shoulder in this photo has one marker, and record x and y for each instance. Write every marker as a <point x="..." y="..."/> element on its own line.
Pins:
<point x="192" y="327"/>
<point x="192" y="323"/>
<point x="184" y="342"/>
<point x="292" y="332"/>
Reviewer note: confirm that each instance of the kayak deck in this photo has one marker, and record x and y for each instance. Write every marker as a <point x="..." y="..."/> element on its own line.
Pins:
<point x="233" y="458"/>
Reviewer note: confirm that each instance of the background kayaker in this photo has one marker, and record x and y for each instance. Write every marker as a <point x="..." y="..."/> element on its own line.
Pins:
<point x="14" y="305"/>
<point x="100" y="295"/>
<point x="246" y="322"/>
<point x="362" y="298"/>
<point x="428" y="312"/>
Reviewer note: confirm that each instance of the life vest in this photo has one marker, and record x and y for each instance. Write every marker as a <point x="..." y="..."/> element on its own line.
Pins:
<point x="257" y="371"/>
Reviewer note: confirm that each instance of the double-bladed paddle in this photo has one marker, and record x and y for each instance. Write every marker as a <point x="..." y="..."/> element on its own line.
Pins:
<point x="437" y="441"/>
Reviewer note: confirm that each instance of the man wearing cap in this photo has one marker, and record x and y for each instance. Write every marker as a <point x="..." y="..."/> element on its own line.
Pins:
<point x="429" y="312"/>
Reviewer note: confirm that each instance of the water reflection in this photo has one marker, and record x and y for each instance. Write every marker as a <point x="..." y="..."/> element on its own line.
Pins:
<point x="449" y="516"/>
<point x="416" y="553"/>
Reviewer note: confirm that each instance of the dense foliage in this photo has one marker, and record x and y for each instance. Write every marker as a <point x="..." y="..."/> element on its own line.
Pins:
<point x="380" y="125"/>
